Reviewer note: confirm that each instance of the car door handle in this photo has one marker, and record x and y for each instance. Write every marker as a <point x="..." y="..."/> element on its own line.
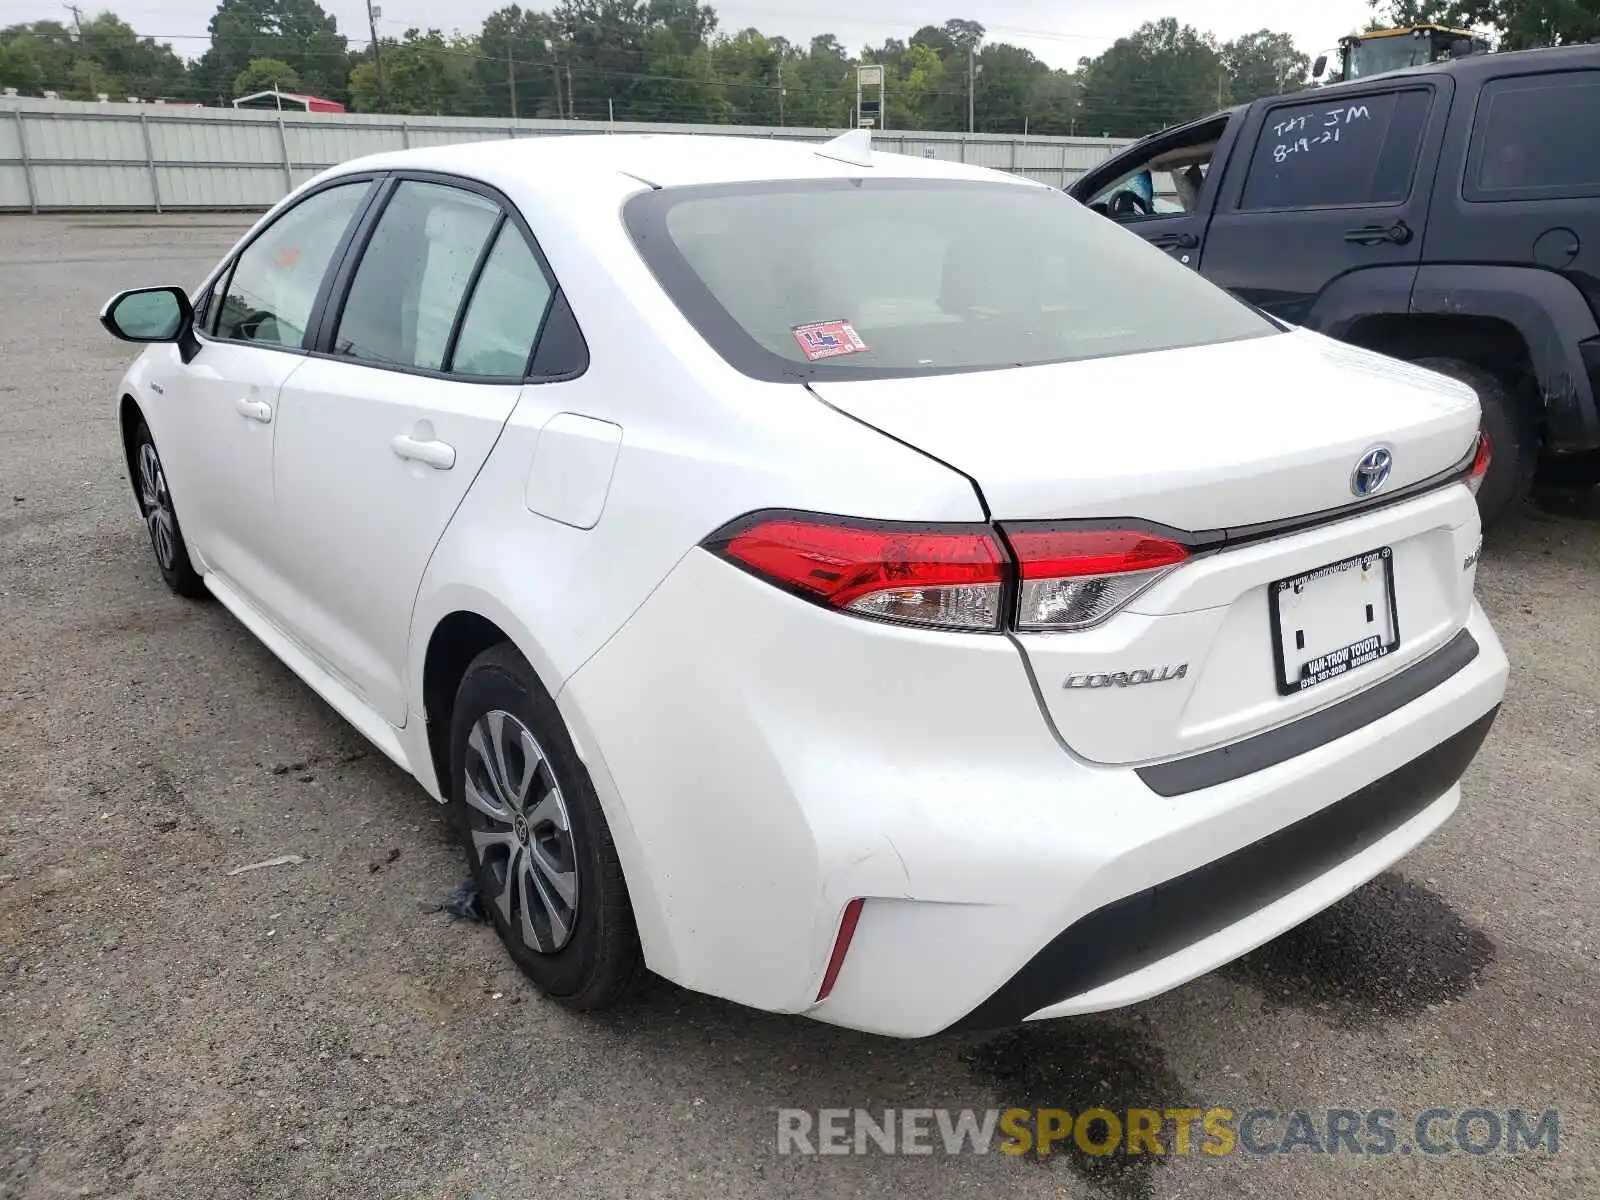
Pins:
<point x="1397" y="234"/>
<point x="1175" y="241"/>
<point x="256" y="410"/>
<point x="441" y="456"/>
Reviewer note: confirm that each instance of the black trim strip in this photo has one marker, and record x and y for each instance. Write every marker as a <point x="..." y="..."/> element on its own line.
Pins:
<point x="1135" y="931"/>
<point x="1268" y="749"/>
<point x="1210" y="541"/>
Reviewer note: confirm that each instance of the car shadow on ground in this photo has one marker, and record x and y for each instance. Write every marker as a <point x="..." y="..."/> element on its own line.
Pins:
<point x="1392" y="949"/>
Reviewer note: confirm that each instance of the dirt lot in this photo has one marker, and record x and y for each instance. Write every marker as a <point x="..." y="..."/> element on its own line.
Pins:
<point x="170" y="1030"/>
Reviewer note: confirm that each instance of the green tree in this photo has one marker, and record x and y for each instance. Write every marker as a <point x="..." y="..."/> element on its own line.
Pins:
<point x="679" y="83"/>
<point x="1007" y="77"/>
<point x="1520" y="24"/>
<point x="1410" y="12"/>
<point x="1161" y="74"/>
<point x="266" y="75"/>
<point x="751" y="67"/>
<point x="1526" y="24"/>
<point x="297" y="32"/>
<point x="519" y="53"/>
<point x="916" y="88"/>
<point x="821" y="85"/>
<point x="1263" y="64"/>
<point x="20" y="67"/>
<point x="602" y="47"/>
<point x="89" y="80"/>
<point x="1054" y="108"/>
<point x="422" y="73"/>
<point x="49" y="48"/>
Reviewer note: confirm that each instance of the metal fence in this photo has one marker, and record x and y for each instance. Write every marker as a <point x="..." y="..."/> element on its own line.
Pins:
<point x="64" y="155"/>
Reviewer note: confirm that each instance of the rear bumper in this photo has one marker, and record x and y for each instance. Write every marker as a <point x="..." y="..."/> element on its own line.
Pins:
<point x="1128" y="936"/>
<point x="763" y="762"/>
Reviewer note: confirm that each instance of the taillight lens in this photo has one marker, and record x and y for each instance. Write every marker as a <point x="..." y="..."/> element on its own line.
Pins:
<point x="1075" y="578"/>
<point x="941" y="578"/>
<point x="1481" y="459"/>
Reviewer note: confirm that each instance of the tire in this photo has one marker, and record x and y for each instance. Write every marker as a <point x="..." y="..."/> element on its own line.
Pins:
<point x="1513" y="440"/>
<point x="161" y="518"/>
<point x="556" y="895"/>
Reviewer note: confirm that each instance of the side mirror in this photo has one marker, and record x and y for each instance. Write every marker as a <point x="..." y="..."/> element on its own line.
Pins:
<point x="1318" y="67"/>
<point x="154" y="314"/>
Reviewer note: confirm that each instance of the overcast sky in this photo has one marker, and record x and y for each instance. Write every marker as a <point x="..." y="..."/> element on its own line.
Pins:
<point x="1058" y="31"/>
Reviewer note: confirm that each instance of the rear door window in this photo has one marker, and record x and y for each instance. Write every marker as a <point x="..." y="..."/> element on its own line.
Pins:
<point x="1536" y="137"/>
<point x="1330" y="154"/>
<point x="414" y="275"/>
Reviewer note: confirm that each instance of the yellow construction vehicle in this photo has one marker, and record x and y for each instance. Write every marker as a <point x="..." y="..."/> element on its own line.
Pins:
<point x="1379" y="50"/>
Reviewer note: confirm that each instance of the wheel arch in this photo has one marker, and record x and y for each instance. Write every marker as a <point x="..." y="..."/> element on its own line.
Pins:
<point x="458" y="638"/>
<point x="129" y="414"/>
<point x="461" y="624"/>
<point x="1490" y="342"/>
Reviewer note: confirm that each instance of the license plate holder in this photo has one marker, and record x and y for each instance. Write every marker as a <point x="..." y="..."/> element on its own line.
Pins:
<point x="1329" y="621"/>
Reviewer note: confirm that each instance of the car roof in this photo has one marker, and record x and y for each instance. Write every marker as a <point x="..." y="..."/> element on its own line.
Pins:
<point x="660" y="160"/>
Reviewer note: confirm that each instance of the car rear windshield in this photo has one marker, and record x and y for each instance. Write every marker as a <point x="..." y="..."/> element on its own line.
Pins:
<point x="877" y="278"/>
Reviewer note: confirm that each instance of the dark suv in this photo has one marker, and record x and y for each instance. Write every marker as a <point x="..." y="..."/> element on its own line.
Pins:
<point x="1446" y="214"/>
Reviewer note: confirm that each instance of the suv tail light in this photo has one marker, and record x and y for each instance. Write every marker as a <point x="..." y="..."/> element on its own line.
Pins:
<point x="1481" y="458"/>
<point x="1075" y="578"/>
<point x="943" y="577"/>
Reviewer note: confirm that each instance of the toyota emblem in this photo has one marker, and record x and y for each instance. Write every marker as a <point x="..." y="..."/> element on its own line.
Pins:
<point x="1372" y="471"/>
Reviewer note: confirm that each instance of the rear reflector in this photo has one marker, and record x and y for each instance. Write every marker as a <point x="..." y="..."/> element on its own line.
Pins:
<point x="841" y="946"/>
<point x="947" y="579"/>
<point x="1481" y="459"/>
<point x="1076" y="578"/>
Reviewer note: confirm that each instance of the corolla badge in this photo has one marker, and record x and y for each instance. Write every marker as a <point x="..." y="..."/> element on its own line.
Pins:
<point x="1372" y="471"/>
<point x="1100" y="679"/>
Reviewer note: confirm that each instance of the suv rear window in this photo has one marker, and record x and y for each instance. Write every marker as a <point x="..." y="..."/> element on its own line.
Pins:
<point x="1537" y="136"/>
<point x="1332" y="153"/>
<point x="875" y="278"/>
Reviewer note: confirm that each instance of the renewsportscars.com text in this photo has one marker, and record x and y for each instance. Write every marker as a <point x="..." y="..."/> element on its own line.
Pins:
<point x="1215" y="1131"/>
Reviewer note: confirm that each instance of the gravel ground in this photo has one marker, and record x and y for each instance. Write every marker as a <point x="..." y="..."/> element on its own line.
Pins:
<point x="170" y="1030"/>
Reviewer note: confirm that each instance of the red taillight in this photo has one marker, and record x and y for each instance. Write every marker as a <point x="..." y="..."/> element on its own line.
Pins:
<point x="1075" y="578"/>
<point x="944" y="578"/>
<point x="841" y="946"/>
<point x="1481" y="459"/>
<point x="951" y="577"/>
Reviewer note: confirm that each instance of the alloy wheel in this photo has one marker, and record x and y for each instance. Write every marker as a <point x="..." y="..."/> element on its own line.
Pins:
<point x="157" y="503"/>
<point x="521" y="833"/>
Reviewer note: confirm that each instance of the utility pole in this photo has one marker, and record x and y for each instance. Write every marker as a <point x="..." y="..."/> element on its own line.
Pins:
<point x="373" y="13"/>
<point x="572" y="111"/>
<point x="511" y="77"/>
<point x="77" y="18"/>
<point x="972" y="85"/>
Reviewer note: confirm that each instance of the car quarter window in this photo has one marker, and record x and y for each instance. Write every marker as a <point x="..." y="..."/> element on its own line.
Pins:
<point x="505" y="312"/>
<point x="414" y="274"/>
<point x="1536" y="136"/>
<point x="1334" y="153"/>
<point x="273" y="286"/>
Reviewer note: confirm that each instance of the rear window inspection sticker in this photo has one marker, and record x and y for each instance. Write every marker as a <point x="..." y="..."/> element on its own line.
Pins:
<point x="828" y="339"/>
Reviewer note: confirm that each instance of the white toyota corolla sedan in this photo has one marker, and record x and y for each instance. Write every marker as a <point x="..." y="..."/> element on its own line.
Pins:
<point x="848" y="584"/>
